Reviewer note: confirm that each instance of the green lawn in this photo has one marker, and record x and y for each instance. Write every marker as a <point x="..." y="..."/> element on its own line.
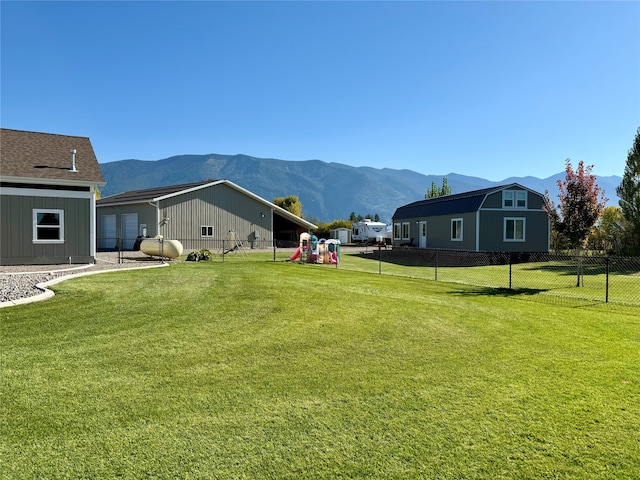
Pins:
<point x="555" y="281"/>
<point x="255" y="369"/>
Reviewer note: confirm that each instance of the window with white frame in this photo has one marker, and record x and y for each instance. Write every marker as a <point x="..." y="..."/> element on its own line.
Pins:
<point x="396" y="231"/>
<point x="514" y="229"/>
<point x="206" y="231"/>
<point x="456" y="229"/>
<point x="514" y="199"/>
<point x="405" y="230"/>
<point x="48" y="225"/>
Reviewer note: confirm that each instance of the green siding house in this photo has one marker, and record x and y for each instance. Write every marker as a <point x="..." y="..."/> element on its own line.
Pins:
<point x="48" y="187"/>
<point x="199" y="215"/>
<point x="506" y="218"/>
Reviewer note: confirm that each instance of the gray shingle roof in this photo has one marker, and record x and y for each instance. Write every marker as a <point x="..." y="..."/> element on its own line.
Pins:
<point x="47" y="156"/>
<point x="447" y="205"/>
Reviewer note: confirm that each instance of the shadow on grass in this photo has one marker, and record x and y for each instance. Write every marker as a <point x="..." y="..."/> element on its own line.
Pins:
<point x="498" y="292"/>
<point x="595" y="270"/>
<point x="531" y="294"/>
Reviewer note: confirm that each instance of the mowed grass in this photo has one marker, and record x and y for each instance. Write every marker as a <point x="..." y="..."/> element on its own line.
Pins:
<point x="553" y="280"/>
<point x="258" y="369"/>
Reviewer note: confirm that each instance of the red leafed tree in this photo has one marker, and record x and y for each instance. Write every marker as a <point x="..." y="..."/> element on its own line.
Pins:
<point x="582" y="202"/>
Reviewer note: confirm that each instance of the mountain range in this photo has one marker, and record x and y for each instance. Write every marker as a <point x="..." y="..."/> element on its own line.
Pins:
<point x="327" y="191"/>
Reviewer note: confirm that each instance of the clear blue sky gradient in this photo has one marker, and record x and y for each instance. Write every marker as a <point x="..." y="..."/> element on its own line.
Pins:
<point x="489" y="89"/>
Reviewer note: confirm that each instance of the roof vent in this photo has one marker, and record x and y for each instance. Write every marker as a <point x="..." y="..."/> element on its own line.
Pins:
<point x="73" y="160"/>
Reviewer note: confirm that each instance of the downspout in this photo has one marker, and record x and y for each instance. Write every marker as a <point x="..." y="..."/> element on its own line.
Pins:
<point x="92" y="222"/>
<point x="273" y="235"/>
<point x="157" y="217"/>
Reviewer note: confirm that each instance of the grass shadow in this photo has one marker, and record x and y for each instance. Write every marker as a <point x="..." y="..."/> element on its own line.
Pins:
<point x="499" y="292"/>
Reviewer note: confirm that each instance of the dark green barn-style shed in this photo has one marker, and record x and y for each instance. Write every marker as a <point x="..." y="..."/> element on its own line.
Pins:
<point x="48" y="186"/>
<point x="506" y="218"/>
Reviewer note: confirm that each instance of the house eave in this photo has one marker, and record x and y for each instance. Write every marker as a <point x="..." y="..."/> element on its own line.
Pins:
<point x="52" y="181"/>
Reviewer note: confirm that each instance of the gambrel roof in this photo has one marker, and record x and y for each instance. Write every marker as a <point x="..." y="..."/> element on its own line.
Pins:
<point x="161" y="193"/>
<point x="449" y="204"/>
<point x="33" y="157"/>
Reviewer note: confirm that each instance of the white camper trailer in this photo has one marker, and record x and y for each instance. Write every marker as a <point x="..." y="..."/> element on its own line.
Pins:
<point x="368" y="231"/>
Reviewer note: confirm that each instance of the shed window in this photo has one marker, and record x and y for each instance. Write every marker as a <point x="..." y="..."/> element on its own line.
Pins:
<point x="456" y="229"/>
<point x="514" y="199"/>
<point x="206" y="231"/>
<point x="405" y="231"/>
<point x="48" y="226"/>
<point x="396" y="231"/>
<point x="514" y="229"/>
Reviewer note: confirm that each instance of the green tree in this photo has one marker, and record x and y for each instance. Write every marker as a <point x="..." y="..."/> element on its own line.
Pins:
<point x="608" y="234"/>
<point x="353" y="218"/>
<point x="291" y="204"/>
<point x="629" y="193"/>
<point x="434" y="191"/>
<point x="324" y="228"/>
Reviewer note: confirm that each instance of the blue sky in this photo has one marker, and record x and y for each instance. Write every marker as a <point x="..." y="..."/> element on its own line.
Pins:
<point x="489" y="89"/>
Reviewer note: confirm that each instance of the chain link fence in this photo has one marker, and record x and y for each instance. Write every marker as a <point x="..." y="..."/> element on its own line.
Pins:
<point x="589" y="276"/>
<point x="128" y="249"/>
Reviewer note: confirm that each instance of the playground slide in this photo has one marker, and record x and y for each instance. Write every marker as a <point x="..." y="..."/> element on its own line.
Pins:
<point x="296" y="255"/>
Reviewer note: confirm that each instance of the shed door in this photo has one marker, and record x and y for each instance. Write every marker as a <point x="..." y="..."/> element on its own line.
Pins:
<point x="107" y="232"/>
<point x="129" y="230"/>
<point x="423" y="234"/>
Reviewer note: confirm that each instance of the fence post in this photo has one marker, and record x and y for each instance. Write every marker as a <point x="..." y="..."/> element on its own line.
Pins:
<point x="436" y="266"/>
<point x="379" y="259"/>
<point x="606" y="296"/>
<point x="510" y="269"/>
<point x="274" y="249"/>
<point x="224" y="249"/>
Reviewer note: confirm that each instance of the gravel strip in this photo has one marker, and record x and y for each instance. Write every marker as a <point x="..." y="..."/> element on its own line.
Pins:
<point x="15" y="287"/>
<point x="19" y="281"/>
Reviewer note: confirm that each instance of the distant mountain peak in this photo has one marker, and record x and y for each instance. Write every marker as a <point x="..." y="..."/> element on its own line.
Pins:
<point x="328" y="191"/>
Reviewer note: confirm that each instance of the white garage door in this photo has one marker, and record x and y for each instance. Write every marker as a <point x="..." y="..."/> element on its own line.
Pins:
<point x="129" y="230"/>
<point x="107" y="238"/>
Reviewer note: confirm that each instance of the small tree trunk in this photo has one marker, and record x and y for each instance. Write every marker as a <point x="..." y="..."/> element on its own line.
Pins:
<point x="579" y="253"/>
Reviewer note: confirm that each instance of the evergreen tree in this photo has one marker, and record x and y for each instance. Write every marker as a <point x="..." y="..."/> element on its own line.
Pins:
<point x="445" y="189"/>
<point x="629" y="193"/>
<point x="434" y="191"/>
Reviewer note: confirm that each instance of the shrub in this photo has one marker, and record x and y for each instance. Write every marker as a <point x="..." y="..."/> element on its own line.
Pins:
<point x="197" y="256"/>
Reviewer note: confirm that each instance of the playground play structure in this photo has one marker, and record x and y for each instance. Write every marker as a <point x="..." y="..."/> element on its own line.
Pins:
<point x="312" y="250"/>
